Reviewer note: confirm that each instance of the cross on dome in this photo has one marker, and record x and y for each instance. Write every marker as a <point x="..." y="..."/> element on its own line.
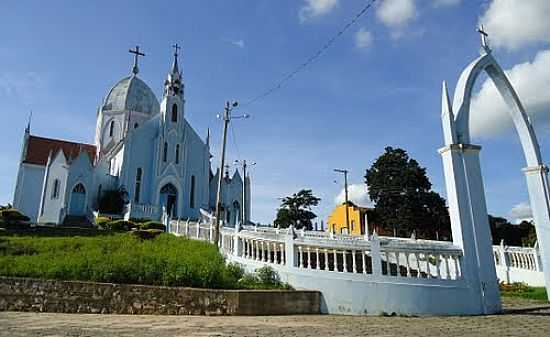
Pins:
<point x="137" y="54"/>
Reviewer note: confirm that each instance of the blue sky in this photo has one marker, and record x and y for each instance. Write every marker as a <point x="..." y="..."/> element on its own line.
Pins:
<point x="378" y="85"/>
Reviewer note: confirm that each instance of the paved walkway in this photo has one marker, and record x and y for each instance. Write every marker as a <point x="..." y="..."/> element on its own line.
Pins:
<point x="522" y="318"/>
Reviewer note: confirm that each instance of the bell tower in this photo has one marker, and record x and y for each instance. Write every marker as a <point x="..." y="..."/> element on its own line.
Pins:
<point x="172" y="105"/>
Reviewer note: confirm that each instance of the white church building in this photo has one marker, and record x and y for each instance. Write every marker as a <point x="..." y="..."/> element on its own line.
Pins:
<point x="143" y="147"/>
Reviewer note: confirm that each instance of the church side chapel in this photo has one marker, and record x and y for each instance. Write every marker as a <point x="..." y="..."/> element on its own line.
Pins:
<point x="145" y="151"/>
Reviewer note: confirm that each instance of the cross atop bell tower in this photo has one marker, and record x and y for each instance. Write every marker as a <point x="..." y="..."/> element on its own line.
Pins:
<point x="137" y="54"/>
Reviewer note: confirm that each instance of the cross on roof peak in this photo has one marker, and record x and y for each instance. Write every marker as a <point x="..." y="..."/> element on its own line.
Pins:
<point x="176" y="49"/>
<point x="137" y="54"/>
<point x="484" y="35"/>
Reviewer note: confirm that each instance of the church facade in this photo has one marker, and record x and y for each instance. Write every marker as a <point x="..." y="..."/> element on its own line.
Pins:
<point x="142" y="147"/>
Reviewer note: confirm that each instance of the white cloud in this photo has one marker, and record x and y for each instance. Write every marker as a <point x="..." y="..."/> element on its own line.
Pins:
<point x="513" y="24"/>
<point x="315" y="8"/>
<point x="489" y="113"/>
<point x="396" y="13"/>
<point x="520" y="212"/>
<point x="357" y="193"/>
<point x="363" y="38"/>
<point x="442" y="3"/>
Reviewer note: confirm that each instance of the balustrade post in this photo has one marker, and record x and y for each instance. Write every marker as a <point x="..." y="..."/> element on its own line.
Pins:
<point x="178" y="227"/>
<point x="198" y="224"/>
<point x="237" y="247"/>
<point x="447" y="269"/>
<point x="282" y="259"/>
<point x="354" y="268"/>
<point x="438" y="265"/>
<point x="344" y="262"/>
<point x="457" y="267"/>
<point x="317" y="264"/>
<point x="257" y="249"/>
<point x="407" y="264"/>
<point x="326" y="261"/>
<point x="418" y="271"/>
<point x="300" y="257"/>
<point x="308" y="258"/>
<point x="290" y="254"/>
<point x="363" y="261"/>
<point x="187" y="228"/>
<point x="335" y="264"/>
<point x="375" y="255"/>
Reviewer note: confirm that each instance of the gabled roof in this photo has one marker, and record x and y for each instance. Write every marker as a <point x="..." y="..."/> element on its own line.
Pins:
<point x="39" y="148"/>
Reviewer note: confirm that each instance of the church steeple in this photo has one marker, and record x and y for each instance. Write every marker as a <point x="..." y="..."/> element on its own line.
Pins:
<point x="173" y="86"/>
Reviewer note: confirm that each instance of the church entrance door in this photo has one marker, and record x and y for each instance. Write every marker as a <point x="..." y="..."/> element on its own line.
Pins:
<point x="169" y="199"/>
<point x="78" y="201"/>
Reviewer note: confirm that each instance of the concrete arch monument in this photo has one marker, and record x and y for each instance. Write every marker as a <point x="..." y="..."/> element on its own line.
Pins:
<point x="465" y="192"/>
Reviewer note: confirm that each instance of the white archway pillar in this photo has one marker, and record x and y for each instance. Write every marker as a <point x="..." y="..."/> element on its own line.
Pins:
<point x="539" y="198"/>
<point x="470" y="224"/>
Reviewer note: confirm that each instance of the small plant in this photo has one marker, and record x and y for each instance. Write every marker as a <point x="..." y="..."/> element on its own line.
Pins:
<point x="101" y="221"/>
<point x="152" y="225"/>
<point x="119" y="225"/>
<point x="146" y="234"/>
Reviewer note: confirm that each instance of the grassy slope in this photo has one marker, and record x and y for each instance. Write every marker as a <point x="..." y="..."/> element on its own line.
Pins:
<point x="119" y="258"/>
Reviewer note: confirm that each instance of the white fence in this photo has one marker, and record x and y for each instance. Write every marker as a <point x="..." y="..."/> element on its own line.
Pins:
<point x="518" y="264"/>
<point x="356" y="275"/>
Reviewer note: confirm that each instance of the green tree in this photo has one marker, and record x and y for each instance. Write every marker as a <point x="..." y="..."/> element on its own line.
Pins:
<point x="404" y="201"/>
<point x="296" y="210"/>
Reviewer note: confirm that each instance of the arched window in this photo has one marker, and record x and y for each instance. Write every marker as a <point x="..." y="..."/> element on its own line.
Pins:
<point x="137" y="190"/>
<point x="174" y="113"/>
<point x="165" y="152"/>
<point x="192" y="193"/>
<point x="55" y="190"/>
<point x="111" y="128"/>
<point x="177" y="153"/>
<point x="79" y="189"/>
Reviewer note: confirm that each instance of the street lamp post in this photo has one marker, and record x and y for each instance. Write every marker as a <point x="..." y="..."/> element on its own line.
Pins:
<point x="227" y="117"/>
<point x="345" y="173"/>
<point x="244" y="212"/>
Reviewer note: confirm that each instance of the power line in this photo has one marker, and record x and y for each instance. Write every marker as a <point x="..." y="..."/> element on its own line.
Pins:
<point x="313" y="57"/>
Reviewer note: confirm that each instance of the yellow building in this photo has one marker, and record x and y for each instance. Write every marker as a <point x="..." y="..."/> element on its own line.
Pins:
<point x="358" y="222"/>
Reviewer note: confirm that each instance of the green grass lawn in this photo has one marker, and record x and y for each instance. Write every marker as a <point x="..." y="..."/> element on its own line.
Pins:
<point x="524" y="291"/>
<point x="119" y="258"/>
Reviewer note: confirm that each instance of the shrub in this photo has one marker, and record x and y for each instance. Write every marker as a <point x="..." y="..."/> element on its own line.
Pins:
<point x="119" y="225"/>
<point x="267" y="275"/>
<point x="262" y="278"/>
<point x="12" y="218"/>
<point x="152" y="225"/>
<point x="101" y="221"/>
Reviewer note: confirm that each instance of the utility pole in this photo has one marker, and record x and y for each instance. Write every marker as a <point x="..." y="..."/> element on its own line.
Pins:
<point x="244" y="213"/>
<point x="345" y="173"/>
<point x="229" y="106"/>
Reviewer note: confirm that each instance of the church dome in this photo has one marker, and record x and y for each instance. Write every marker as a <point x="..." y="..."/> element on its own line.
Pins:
<point x="132" y="94"/>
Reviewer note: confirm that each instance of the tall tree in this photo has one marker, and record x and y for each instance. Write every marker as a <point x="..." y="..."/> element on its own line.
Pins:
<point x="296" y="210"/>
<point x="403" y="198"/>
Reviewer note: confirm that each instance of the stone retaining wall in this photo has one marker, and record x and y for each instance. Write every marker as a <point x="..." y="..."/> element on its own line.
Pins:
<point x="24" y="294"/>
